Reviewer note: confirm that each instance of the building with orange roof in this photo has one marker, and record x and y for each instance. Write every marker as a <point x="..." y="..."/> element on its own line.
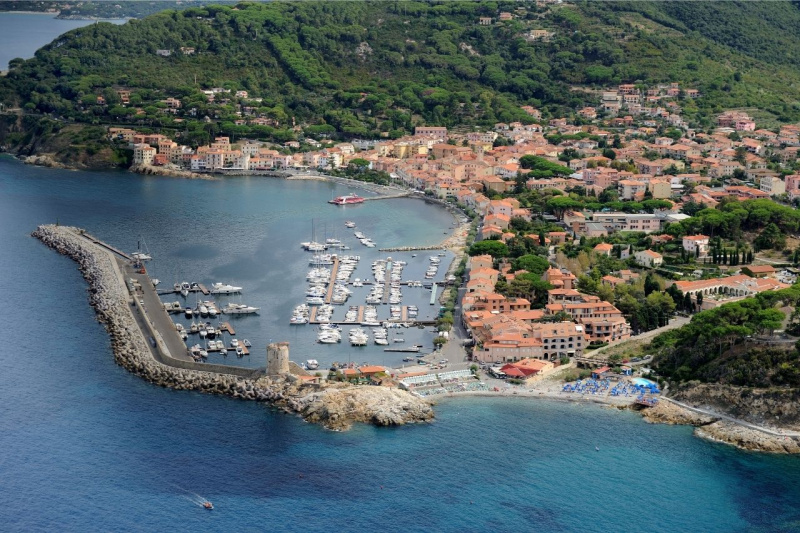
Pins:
<point x="560" y="279"/>
<point x="604" y="248"/>
<point x="649" y="258"/>
<point x="696" y="244"/>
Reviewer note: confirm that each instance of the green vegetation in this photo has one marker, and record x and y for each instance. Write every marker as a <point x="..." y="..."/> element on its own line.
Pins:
<point x="380" y="68"/>
<point x="714" y="346"/>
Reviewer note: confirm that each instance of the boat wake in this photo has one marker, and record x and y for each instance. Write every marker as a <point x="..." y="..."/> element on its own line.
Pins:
<point x="192" y="496"/>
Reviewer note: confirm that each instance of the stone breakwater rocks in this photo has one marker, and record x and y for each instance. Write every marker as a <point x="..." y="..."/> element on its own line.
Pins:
<point x="335" y="406"/>
<point x="715" y="429"/>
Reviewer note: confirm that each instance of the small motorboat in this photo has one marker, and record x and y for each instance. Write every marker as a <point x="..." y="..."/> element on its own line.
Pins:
<point x="208" y="505"/>
<point x="246" y="343"/>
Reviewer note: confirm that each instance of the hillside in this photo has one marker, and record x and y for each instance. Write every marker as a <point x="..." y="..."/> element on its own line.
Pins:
<point x="362" y="69"/>
<point x="724" y="345"/>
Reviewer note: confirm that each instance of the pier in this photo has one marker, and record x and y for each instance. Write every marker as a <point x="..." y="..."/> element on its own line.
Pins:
<point x="100" y="243"/>
<point x="387" y="286"/>
<point x="433" y="293"/>
<point x="200" y="288"/>
<point x="388" y="196"/>
<point x="438" y="247"/>
<point x="332" y="282"/>
<point x="312" y="318"/>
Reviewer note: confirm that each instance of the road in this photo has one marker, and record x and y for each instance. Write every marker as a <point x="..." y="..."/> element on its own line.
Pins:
<point x="714" y="414"/>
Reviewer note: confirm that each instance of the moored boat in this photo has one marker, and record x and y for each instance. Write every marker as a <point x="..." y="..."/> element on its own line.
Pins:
<point x="351" y="198"/>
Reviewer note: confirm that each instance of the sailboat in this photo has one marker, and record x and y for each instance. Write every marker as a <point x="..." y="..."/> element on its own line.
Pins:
<point x="140" y="255"/>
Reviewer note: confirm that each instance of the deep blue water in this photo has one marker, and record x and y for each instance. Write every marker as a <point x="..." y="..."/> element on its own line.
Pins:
<point x="21" y="34"/>
<point x="88" y="447"/>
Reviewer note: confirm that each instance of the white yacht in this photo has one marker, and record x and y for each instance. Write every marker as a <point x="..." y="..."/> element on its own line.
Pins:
<point x="312" y="364"/>
<point x="349" y="224"/>
<point x="224" y="288"/>
<point x="239" y="309"/>
<point x="141" y="256"/>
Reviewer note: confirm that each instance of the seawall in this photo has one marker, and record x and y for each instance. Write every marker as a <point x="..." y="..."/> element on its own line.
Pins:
<point x="334" y="405"/>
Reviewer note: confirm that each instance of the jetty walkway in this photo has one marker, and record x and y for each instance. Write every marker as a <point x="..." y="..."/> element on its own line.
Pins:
<point x="154" y="323"/>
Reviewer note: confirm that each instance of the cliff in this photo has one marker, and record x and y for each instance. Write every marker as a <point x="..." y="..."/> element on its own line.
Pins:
<point x="764" y="407"/>
<point x="336" y="406"/>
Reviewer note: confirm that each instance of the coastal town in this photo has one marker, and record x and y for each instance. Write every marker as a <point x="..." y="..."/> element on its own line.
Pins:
<point x="609" y="197"/>
<point x="333" y="250"/>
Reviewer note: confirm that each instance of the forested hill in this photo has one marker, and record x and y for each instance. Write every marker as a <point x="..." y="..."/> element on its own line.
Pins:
<point x="363" y="68"/>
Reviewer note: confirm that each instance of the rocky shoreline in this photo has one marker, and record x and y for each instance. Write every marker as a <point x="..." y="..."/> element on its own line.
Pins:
<point x="720" y="430"/>
<point x="335" y="406"/>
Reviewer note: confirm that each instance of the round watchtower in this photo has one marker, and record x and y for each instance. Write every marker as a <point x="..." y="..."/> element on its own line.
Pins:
<point x="278" y="358"/>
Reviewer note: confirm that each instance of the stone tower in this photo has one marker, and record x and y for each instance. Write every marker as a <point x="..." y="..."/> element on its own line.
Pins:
<point x="278" y="358"/>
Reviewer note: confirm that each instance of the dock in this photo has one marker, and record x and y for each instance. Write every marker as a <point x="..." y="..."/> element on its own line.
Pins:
<point x="312" y="318"/>
<point x="387" y="286"/>
<point x="225" y="326"/>
<point x="200" y="287"/>
<point x="413" y="349"/>
<point x="433" y="293"/>
<point x="332" y="282"/>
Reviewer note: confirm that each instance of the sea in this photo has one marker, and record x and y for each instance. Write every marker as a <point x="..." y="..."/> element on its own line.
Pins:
<point x="86" y="446"/>
<point x="21" y="34"/>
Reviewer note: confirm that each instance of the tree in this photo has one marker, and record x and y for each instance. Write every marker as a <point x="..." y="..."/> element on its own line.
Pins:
<point x="770" y="237"/>
<point x="494" y="248"/>
<point x="558" y="205"/>
<point x="650" y="285"/>
<point x="700" y="300"/>
<point x="534" y="264"/>
<point x="687" y="303"/>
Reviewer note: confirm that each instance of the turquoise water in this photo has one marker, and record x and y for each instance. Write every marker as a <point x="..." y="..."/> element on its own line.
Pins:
<point x="21" y="34"/>
<point x="88" y="447"/>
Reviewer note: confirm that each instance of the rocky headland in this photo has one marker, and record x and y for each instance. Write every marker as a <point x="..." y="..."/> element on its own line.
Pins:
<point x="724" y="430"/>
<point x="333" y="405"/>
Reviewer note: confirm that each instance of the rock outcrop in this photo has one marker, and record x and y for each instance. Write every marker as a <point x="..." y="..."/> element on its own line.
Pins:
<point x="338" y="408"/>
<point x="172" y="172"/>
<point x="721" y="430"/>
<point x="778" y="408"/>
<point x="747" y="439"/>
<point x="335" y="406"/>
<point x="665" y="412"/>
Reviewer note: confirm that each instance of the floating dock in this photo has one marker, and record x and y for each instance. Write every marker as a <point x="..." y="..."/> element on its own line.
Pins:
<point x="200" y="287"/>
<point x="433" y="293"/>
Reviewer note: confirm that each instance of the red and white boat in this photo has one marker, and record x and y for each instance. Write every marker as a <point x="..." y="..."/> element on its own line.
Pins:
<point x="351" y="198"/>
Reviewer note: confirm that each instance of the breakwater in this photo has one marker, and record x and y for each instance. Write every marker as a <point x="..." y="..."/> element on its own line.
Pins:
<point x="334" y="405"/>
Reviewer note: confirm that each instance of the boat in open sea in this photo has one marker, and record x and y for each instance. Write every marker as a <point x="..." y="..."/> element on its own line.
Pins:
<point x="347" y="199"/>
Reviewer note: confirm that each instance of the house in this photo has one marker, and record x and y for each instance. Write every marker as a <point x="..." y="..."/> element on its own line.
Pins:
<point x="759" y="271"/>
<point x="528" y="369"/>
<point x="604" y="248"/>
<point x="696" y="244"/>
<point x="648" y="258"/>
<point x="431" y="131"/>
<point x="485" y="21"/>
<point x="143" y="154"/>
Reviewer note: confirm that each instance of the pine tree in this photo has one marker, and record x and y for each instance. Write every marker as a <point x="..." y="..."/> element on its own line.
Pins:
<point x="687" y="302"/>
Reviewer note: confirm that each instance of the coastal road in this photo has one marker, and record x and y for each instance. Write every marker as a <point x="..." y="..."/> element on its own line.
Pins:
<point x="714" y="414"/>
<point x="647" y="335"/>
